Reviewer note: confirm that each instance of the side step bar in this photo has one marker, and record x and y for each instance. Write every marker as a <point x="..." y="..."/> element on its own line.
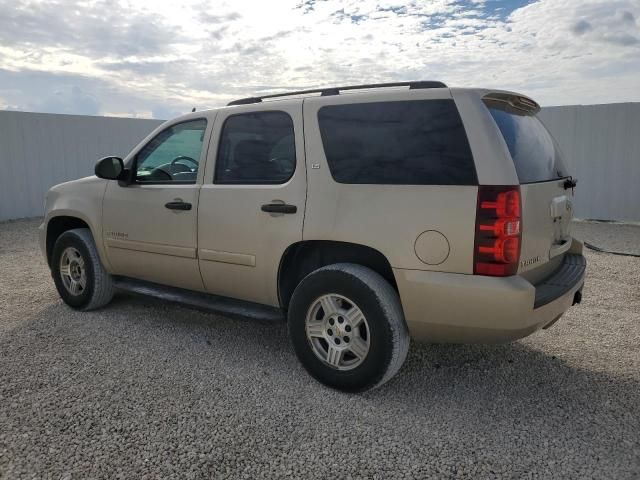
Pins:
<point x="227" y="306"/>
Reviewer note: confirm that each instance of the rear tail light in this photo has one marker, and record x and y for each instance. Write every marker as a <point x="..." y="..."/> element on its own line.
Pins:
<point x="498" y="231"/>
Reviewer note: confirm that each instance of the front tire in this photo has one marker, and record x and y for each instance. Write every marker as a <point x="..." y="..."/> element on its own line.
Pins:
<point x="347" y="327"/>
<point x="81" y="280"/>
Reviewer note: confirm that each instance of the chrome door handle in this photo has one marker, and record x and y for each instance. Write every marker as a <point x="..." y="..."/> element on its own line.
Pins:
<point x="178" y="206"/>
<point x="279" y="208"/>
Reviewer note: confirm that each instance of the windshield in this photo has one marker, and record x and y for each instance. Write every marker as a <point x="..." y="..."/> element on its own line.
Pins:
<point x="534" y="151"/>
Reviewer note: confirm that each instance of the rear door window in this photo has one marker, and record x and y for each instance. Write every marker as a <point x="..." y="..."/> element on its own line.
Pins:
<point x="419" y="142"/>
<point x="534" y="152"/>
<point x="256" y="148"/>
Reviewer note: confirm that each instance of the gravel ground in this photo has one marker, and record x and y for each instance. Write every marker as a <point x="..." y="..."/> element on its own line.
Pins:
<point x="615" y="237"/>
<point x="147" y="389"/>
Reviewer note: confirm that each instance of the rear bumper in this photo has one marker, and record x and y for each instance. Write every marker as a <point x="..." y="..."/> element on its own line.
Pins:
<point x="457" y="308"/>
<point x="563" y="280"/>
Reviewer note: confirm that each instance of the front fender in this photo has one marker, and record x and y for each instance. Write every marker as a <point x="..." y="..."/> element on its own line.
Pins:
<point x="81" y="199"/>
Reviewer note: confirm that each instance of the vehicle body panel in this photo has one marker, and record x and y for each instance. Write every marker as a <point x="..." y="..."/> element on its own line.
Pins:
<point x="144" y="239"/>
<point x="547" y="206"/>
<point x="493" y="162"/>
<point x="442" y="307"/>
<point x="239" y="245"/>
<point x="388" y="218"/>
<point x="546" y="227"/>
<point x="80" y="199"/>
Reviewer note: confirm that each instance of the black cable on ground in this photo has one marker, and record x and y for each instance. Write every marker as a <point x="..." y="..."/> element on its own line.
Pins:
<point x="598" y="249"/>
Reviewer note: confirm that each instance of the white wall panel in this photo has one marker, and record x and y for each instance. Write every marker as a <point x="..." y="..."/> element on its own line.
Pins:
<point x="601" y="145"/>
<point x="39" y="150"/>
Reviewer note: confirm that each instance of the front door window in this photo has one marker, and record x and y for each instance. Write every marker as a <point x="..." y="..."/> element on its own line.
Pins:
<point x="173" y="155"/>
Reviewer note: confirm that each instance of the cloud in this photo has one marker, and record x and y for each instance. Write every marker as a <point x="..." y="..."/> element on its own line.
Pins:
<point x="144" y="67"/>
<point x="210" y="18"/>
<point x="96" y="28"/>
<point x="37" y="91"/>
<point x="163" y="112"/>
<point x="157" y="57"/>
<point x="580" y="27"/>
<point x="615" y="24"/>
<point x="70" y="100"/>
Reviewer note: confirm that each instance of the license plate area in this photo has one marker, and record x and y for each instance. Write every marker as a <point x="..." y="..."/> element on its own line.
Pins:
<point x="561" y="212"/>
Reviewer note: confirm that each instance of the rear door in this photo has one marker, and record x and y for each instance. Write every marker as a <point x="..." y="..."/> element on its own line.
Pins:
<point x="252" y="202"/>
<point x="547" y="199"/>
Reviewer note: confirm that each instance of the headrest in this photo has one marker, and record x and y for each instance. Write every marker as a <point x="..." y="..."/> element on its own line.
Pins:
<point x="250" y="152"/>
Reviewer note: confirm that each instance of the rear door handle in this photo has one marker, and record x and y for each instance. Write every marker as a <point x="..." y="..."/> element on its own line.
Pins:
<point x="178" y="206"/>
<point x="279" y="208"/>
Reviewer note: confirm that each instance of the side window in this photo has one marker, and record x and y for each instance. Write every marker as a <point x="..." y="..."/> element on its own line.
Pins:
<point x="256" y="148"/>
<point x="419" y="142"/>
<point x="173" y="155"/>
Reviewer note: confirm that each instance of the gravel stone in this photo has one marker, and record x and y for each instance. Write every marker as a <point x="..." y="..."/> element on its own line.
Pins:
<point x="148" y="389"/>
<point x="616" y="237"/>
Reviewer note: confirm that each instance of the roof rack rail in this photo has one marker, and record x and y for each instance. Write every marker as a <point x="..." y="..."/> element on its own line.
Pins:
<point x="336" y="90"/>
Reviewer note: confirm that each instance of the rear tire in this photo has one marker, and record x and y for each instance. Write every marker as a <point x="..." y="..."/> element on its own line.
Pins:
<point x="347" y="327"/>
<point x="81" y="280"/>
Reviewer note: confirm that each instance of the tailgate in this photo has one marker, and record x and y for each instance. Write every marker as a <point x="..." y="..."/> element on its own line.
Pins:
<point x="547" y="210"/>
<point x="546" y="193"/>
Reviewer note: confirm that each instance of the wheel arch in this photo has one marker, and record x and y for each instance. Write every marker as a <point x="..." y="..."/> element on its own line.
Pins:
<point x="59" y="224"/>
<point x="304" y="257"/>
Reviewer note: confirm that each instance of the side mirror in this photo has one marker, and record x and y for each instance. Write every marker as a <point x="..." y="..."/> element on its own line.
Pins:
<point x="109" y="168"/>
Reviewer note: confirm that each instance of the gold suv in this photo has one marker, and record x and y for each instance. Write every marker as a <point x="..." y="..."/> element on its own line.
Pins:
<point x="364" y="215"/>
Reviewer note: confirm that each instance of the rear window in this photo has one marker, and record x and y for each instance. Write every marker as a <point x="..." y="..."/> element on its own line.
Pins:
<point x="419" y="142"/>
<point x="534" y="151"/>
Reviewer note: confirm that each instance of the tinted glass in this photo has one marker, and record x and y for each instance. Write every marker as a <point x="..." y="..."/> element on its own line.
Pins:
<point x="256" y="148"/>
<point x="534" y="152"/>
<point x="173" y="155"/>
<point x="420" y="142"/>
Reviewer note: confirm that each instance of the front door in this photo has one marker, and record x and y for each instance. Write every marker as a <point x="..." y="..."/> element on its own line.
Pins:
<point x="252" y="200"/>
<point x="149" y="226"/>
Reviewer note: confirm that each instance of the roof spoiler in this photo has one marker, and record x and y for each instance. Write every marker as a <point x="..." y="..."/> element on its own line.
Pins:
<point x="513" y="101"/>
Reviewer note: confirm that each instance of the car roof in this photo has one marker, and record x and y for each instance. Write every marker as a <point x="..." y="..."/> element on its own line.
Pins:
<point x="330" y="91"/>
<point x="285" y="98"/>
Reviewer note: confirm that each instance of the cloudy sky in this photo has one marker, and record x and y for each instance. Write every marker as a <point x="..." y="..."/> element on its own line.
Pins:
<point x="151" y="58"/>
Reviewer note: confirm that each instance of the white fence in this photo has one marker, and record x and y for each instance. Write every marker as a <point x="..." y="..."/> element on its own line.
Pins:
<point x="39" y="150"/>
<point x="601" y="144"/>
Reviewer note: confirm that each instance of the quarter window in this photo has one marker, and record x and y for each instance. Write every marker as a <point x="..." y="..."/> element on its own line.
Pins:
<point x="256" y="148"/>
<point x="173" y="155"/>
<point x="419" y="142"/>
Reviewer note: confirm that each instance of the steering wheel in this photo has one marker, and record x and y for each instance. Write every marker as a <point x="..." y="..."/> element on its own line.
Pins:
<point x="184" y="157"/>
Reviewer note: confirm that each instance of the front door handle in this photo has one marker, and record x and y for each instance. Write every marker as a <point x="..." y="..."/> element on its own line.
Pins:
<point x="178" y="206"/>
<point x="279" y="208"/>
